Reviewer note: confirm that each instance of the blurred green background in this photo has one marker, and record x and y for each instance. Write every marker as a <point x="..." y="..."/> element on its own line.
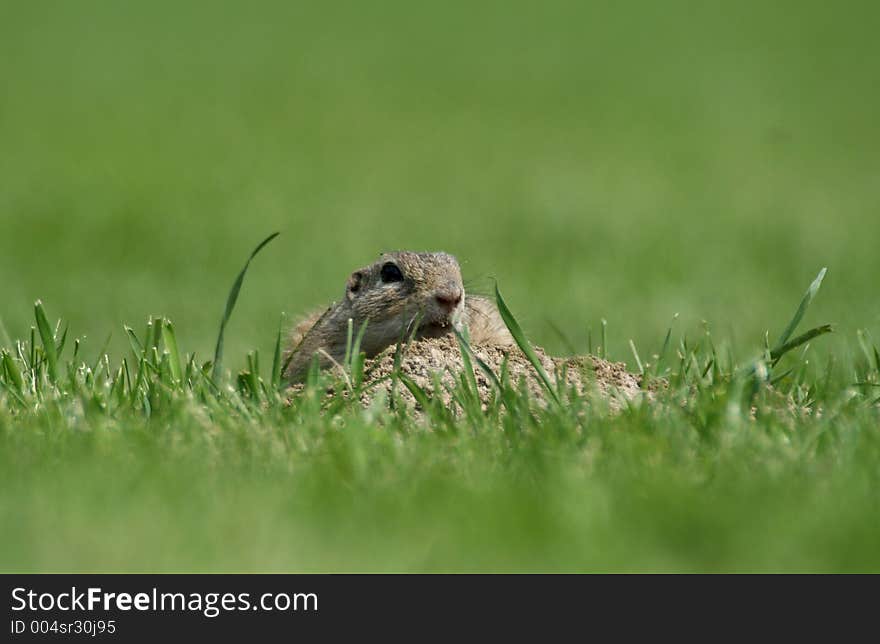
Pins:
<point x="625" y="160"/>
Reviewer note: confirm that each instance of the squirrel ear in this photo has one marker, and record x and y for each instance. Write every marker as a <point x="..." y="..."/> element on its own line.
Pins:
<point x="354" y="283"/>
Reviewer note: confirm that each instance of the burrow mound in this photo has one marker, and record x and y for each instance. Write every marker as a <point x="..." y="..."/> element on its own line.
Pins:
<point x="422" y="359"/>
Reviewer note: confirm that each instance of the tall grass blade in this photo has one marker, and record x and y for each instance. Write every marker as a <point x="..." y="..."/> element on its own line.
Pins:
<point x="358" y="358"/>
<point x="417" y="392"/>
<point x="136" y="347"/>
<point x="486" y="369"/>
<point x="13" y="372"/>
<point x="231" y="299"/>
<point x="802" y="309"/>
<point x="521" y="341"/>
<point x="276" y="361"/>
<point x="60" y="348"/>
<point x="632" y="347"/>
<point x="170" y="340"/>
<point x="32" y="363"/>
<point x="48" y="340"/>
<point x="154" y="334"/>
<point x="349" y="342"/>
<point x="662" y="356"/>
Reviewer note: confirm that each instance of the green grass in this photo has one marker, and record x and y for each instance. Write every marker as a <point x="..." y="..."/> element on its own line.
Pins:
<point x="630" y="162"/>
<point x="146" y="464"/>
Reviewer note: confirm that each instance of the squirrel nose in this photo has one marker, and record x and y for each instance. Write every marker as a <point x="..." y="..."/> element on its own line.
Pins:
<point x="448" y="299"/>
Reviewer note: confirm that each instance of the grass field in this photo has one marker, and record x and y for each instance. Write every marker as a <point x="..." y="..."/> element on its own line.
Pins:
<point x="619" y="161"/>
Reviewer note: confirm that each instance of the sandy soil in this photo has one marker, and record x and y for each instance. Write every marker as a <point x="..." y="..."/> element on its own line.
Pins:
<point x="422" y="359"/>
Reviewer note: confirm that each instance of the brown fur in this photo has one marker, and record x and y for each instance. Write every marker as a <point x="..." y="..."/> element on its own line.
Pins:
<point x="427" y="294"/>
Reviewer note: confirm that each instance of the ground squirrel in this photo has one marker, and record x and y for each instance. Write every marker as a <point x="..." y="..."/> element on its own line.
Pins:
<point x="391" y="295"/>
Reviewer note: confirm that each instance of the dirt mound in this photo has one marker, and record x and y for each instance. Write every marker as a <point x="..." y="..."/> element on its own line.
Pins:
<point x="422" y="359"/>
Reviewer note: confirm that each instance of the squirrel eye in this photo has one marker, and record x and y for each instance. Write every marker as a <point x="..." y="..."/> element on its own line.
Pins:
<point x="391" y="273"/>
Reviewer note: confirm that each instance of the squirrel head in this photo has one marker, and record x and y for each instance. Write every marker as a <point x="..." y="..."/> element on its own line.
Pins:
<point x="404" y="292"/>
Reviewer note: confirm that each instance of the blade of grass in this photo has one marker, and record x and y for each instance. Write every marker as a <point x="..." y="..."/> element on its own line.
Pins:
<point x="32" y="363"/>
<point x="231" y="299"/>
<point x="136" y="347"/>
<point x="463" y="347"/>
<point x="520" y="339"/>
<point x="13" y="372"/>
<point x="349" y="342"/>
<point x="170" y="340"/>
<point x="802" y="309"/>
<point x="665" y="347"/>
<point x="62" y="341"/>
<point x="417" y="392"/>
<point x="486" y="369"/>
<point x="154" y="333"/>
<point x="632" y="347"/>
<point x="48" y="339"/>
<point x="778" y="352"/>
<point x="103" y="352"/>
<point x="356" y="366"/>
<point x="276" y="360"/>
